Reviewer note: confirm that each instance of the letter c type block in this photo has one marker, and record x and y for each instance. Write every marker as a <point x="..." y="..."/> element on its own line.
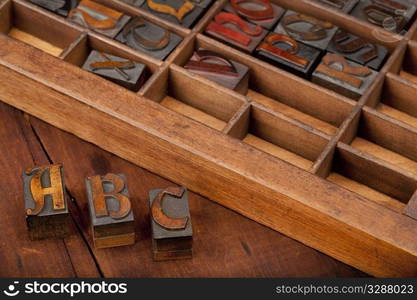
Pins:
<point x="112" y="219"/>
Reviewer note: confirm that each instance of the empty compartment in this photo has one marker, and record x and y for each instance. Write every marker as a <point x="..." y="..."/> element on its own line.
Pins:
<point x="37" y="27"/>
<point x="280" y="91"/>
<point x="409" y="62"/>
<point x="78" y="55"/>
<point x="370" y="178"/>
<point x="279" y="136"/>
<point x="191" y="97"/>
<point x="387" y="140"/>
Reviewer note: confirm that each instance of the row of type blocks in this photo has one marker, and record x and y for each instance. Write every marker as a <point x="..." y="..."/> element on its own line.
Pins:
<point x="111" y="214"/>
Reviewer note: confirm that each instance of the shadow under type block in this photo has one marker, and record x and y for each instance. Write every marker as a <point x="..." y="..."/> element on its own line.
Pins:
<point x="125" y="72"/>
<point x="47" y="214"/>
<point x="172" y="233"/>
<point x="60" y="7"/>
<point x="149" y="38"/>
<point x="343" y="76"/>
<point x="112" y="220"/>
<point x="260" y="12"/>
<point x="182" y="12"/>
<point x="220" y="69"/>
<point x="99" y="18"/>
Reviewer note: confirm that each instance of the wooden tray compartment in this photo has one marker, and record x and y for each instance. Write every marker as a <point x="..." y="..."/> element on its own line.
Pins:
<point x="278" y="135"/>
<point x="197" y="99"/>
<point x="36" y="27"/>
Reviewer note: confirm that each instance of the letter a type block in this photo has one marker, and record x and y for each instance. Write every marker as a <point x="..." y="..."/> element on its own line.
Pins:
<point x="46" y="207"/>
<point x="112" y="221"/>
<point x="172" y="234"/>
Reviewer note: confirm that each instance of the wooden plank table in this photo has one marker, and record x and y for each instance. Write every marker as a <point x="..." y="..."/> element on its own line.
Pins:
<point x="226" y="244"/>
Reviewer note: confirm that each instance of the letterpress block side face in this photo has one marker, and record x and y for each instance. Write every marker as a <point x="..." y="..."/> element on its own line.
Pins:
<point x="149" y="38"/>
<point x="260" y="12"/>
<point x="122" y="71"/>
<point x="343" y="5"/>
<point x="61" y="7"/>
<point x="170" y="221"/>
<point x="288" y="54"/>
<point x="45" y="202"/>
<point x="97" y="17"/>
<point x="233" y="30"/>
<point x="343" y="76"/>
<point x="218" y="68"/>
<point x="112" y="219"/>
<point x="181" y="12"/>
<point x="358" y="50"/>
<point x="306" y="29"/>
<point x="392" y="15"/>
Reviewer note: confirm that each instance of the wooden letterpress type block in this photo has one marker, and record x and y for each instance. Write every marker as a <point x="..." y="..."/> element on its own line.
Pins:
<point x="260" y="12"/>
<point x="182" y="12"/>
<point x="46" y="206"/>
<point x="358" y="49"/>
<point x="98" y="17"/>
<point x="392" y="15"/>
<point x="288" y="54"/>
<point x="343" y="5"/>
<point x="112" y="220"/>
<point x="233" y="30"/>
<point x="172" y="234"/>
<point x="137" y="3"/>
<point x="202" y="3"/>
<point x="343" y="76"/>
<point x="306" y="29"/>
<point x="218" y="68"/>
<point x="149" y="38"/>
<point x="60" y="7"/>
<point x="124" y="72"/>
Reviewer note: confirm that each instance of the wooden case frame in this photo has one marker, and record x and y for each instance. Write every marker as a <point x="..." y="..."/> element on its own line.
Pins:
<point x="293" y="165"/>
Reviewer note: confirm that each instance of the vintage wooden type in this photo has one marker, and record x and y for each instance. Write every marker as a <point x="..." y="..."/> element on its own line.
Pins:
<point x="288" y="54"/>
<point x="261" y="12"/>
<point x="112" y="220"/>
<point x="46" y="207"/>
<point x="218" y="68"/>
<point x="172" y="233"/>
<point x="306" y="29"/>
<point x="358" y="50"/>
<point x="232" y="29"/>
<point x="136" y="3"/>
<point x="182" y="12"/>
<point x="392" y="15"/>
<point x="149" y="38"/>
<point x="346" y="77"/>
<point x="98" y="17"/>
<point x="339" y="175"/>
<point x="343" y="5"/>
<point x="124" y="72"/>
<point x="61" y="7"/>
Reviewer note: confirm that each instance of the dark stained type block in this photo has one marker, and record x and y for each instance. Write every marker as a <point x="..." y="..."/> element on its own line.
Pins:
<point x="172" y="233"/>
<point x="124" y="72"/>
<point x="98" y="17"/>
<point x="112" y="221"/>
<point x="61" y="7"/>
<point x="343" y="5"/>
<point x="392" y="15"/>
<point x="149" y="38"/>
<point x="202" y="3"/>
<point x="233" y="30"/>
<point x="358" y="49"/>
<point x="182" y="12"/>
<point x="306" y="29"/>
<point x="343" y="76"/>
<point x="288" y="54"/>
<point x="46" y="206"/>
<point x="218" y="68"/>
<point x="260" y="12"/>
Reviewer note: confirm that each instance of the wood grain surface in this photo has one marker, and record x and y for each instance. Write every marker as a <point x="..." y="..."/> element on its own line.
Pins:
<point x="226" y="244"/>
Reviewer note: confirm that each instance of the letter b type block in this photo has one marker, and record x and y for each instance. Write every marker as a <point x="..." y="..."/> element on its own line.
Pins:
<point x="172" y="233"/>
<point x="46" y="207"/>
<point x="112" y="220"/>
